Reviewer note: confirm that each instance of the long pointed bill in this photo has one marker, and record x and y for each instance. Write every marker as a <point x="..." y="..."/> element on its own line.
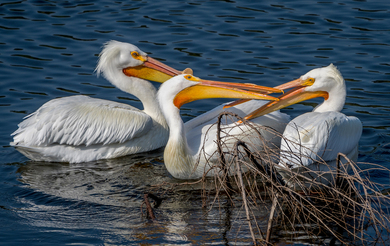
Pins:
<point x="235" y="103"/>
<point x="294" y="96"/>
<point x="293" y="84"/>
<point x="152" y="70"/>
<point x="288" y="85"/>
<point x="214" y="89"/>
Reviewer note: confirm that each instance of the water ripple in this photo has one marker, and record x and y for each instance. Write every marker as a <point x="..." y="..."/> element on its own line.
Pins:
<point x="49" y="49"/>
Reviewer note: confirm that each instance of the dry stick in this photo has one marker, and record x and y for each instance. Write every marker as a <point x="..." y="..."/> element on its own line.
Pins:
<point x="219" y="141"/>
<point x="222" y="156"/>
<point x="335" y="221"/>
<point x="366" y="204"/>
<point x="268" y="171"/>
<point x="271" y="174"/>
<point x="228" y="183"/>
<point x="271" y="217"/>
<point x="244" y="194"/>
<point x="338" y="170"/>
<point x="149" y="208"/>
<point x="305" y="202"/>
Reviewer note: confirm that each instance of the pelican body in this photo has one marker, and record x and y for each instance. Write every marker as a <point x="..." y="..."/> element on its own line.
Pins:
<point x="81" y="129"/>
<point x="311" y="142"/>
<point x="189" y="151"/>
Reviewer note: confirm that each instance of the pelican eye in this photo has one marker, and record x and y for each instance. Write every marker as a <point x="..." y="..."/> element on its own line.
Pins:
<point x="189" y="77"/>
<point x="309" y="82"/>
<point x="135" y="54"/>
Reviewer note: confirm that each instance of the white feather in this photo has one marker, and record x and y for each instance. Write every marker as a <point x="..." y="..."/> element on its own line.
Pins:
<point x="190" y="149"/>
<point x="312" y="141"/>
<point x="319" y="137"/>
<point x="81" y="128"/>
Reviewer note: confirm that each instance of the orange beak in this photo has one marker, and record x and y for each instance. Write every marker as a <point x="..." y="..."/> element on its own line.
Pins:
<point x="296" y="95"/>
<point x="285" y="86"/>
<point x="213" y="89"/>
<point x="281" y="87"/>
<point x="152" y="70"/>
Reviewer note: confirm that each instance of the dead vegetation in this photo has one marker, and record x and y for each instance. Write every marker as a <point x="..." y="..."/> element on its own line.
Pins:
<point x="350" y="210"/>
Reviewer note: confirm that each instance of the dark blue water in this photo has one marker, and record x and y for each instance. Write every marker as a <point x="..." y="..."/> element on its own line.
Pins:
<point x="49" y="49"/>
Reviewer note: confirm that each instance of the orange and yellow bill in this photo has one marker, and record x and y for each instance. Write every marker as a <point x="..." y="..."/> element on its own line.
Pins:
<point x="296" y="95"/>
<point x="215" y="89"/>
<point x="152" y="70"/>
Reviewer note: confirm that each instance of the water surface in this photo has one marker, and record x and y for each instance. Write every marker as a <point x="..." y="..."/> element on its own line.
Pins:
<point x="49" y="49"/>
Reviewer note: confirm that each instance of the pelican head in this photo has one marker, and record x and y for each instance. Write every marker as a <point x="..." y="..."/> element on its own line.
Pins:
<point x="325" y="82"/>
<point x="123" y="59"/>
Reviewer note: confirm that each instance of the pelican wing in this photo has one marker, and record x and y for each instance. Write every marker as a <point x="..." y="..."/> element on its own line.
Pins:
<point x="82" y="120"/>
<point x="202" y="130"/>
<point x="319" y="135"/>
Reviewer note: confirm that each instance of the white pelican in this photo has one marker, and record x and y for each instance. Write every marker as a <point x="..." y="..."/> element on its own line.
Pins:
<point x="183" y="156"/>
<point x="81" y="129"/>
<point x="320" y="135"/>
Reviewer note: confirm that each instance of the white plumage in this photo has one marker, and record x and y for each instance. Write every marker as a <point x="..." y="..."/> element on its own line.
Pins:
<point x="190" y="146"/>
<point x="312" y="143"/>
<point x="81" y="128"/>
<point x="322" y="137"/>
<point x="316" y="137"/>
<point x="98" y="122"/>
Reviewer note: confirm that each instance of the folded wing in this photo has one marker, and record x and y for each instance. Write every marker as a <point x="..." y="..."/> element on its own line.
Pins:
<point x="81" y="121"/>
<point x="319" y="136"/>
